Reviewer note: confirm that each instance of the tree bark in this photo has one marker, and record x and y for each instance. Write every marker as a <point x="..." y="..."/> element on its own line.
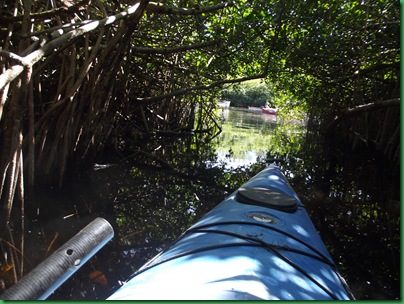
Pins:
<point x="12" y="73"/>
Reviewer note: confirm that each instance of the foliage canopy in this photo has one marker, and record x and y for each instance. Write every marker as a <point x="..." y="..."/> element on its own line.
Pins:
<point x="79" y="77"/>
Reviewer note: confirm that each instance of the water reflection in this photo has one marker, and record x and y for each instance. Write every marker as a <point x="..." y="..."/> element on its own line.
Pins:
<point x="246" y="137"/>
<point x="150" y="204"/>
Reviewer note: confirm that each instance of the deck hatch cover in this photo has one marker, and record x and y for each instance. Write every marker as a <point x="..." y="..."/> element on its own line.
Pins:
<point x="267" y="198"/>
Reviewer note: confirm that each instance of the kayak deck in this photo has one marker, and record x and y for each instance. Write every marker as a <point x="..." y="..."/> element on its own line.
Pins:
<point x="259" y="243"/>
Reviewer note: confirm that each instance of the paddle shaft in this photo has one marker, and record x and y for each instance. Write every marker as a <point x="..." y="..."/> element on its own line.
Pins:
<point x="44" y="279"/>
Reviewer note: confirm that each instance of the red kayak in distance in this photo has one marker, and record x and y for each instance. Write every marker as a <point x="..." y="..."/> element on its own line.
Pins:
<point x="272" y="111"/>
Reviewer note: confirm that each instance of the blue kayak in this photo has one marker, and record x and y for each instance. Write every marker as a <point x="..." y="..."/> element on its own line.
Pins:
<point x="258" y="244"/>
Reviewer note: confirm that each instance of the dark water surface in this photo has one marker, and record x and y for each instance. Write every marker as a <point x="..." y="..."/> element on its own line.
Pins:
<point x="150" y="202"/>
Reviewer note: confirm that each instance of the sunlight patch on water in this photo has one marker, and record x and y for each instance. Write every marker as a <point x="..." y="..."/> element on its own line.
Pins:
<point x="250" y="157"/>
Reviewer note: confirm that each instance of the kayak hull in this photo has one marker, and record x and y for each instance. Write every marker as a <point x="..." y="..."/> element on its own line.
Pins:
<point x="259" y="243"/>
<point x="272" y="111"/>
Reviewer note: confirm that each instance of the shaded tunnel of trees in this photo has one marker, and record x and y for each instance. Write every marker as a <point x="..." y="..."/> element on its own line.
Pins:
<point x="81" y="77"/>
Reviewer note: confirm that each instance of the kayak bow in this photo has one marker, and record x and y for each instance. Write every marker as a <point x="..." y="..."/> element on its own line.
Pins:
<point x="259" y="243"/>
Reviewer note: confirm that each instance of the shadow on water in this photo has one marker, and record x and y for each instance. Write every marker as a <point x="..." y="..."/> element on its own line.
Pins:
<point x="151" y="200"/>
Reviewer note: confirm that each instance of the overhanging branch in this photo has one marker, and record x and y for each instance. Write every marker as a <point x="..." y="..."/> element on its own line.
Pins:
<point x="373" y="69"/>
<point x="395" y="102"/>
<point x="160" y="8"/>
<point x="12" y="73"/>
<point x="181" y="92"/>
<point x="154" y="99"/>
<point x="170" y="50"/>
<point x="48" y="14"/>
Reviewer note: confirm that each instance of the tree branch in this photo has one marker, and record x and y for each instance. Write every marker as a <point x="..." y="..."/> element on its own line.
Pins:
<point x="372" y="69"/>
<point x="148" y="100"/>
<point x="395" y="102"/>
<point x="153" y="99"/>
<point x="13" y="72"/>
<point x="15" y="57"/>
<point x="160" y="8"/>
<point x="48" y="14"/>
<point x="181" y="48"/>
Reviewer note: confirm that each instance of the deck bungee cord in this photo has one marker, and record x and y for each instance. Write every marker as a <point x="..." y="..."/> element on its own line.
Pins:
<point x="255" y="242"/>
<point x="324" y="258"/>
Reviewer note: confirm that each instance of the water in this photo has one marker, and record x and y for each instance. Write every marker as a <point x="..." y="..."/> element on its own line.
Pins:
<point x="149" y="204"/>
<point x="245" y="138"/>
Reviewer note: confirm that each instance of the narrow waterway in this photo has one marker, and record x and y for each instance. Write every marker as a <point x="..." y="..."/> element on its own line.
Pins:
<point x="149" y="205"/>
<point x="245" y="138"/>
